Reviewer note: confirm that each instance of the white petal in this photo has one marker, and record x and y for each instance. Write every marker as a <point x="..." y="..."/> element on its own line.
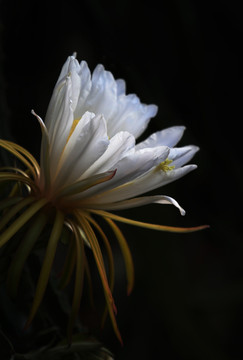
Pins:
<point x="60" y="120"/>
<point x="68" y="78"/>
<point x="85" y="87"/>
<point x="137" y="163"/>
<point x="150" y="181"/>
<point x="121" y="87"/>
<point x="182" y="155"/>
<point x="130" y="115"/>
<point x="119" y="145"/>
<point x="137" y="202"/>
<point x="168" y="137"/>
<point x="170" y="200"/>
<point x="85" y="146"/>
<point x="103" y="93"/>
<point x="70" y="64"/>
<point x="130" y="167"/>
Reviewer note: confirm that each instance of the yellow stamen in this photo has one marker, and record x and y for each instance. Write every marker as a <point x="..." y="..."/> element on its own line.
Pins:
<point x="164" y="165"/>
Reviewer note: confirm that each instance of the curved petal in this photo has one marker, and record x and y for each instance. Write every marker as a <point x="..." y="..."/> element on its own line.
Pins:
<point x="65" y="94"/>
<point x="131" y="115"/>
<point x="121" y="87"/>
<point x="130" y="167"/>
<point x="119" y="145"/>
<point x="102" y="94"/>
<point x="168" y="137"/>
<point x="148" y="182"/>
<point x="60" y="120"/>
<point x="85" y="86"/>
<point x="86" y="144"/>
<point x="183" y="155"/>
<point x="136" y="202"/>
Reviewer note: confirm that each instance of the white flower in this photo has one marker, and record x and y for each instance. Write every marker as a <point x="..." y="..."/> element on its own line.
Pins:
<point x="91" y="127"/>
<point x="90" y="163"/>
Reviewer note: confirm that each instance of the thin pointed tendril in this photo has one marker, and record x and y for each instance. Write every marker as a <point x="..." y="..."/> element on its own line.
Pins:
<point x="23" y="251"/>
<point x="13" y="211"/>
<point x="69" y="264"/>
<point x="16" y="177"/>
<point x="126" y="254"/>
<point x="4" y="204"/>
<point x="22" y="219"/>
<point x="101" y="268"/>
<point x="108" y="215"/>
<point x="28" y="160"/>
<point x="47" y="264"/>
<point x="45" y="152"/>
<point x="111" y="265"/>
<point x="78" y="286"/>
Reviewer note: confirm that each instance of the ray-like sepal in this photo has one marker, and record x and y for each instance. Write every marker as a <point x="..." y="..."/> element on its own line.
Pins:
<point x="126" y="254"/>
<point x="69" y="263"/>
<point x="23" y="251"/>
<point x="78" y="285"/>
<point x="47" y="264"/>
<point x="45" y="152"/>
<point x="10" y="201"/>
<point x="101" y="268"/>
<point x="174" y="229"/>
<point x="22" y="219"/>
<point x="8" y="176"/>
<point x="111" y="265"/>
<point x="23" y="155"/>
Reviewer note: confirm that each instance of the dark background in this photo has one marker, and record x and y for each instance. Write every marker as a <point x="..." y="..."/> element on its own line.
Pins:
<point x="183" y="56"/>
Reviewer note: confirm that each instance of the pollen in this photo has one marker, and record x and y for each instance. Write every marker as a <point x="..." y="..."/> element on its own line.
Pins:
<point x="164" y="165"/>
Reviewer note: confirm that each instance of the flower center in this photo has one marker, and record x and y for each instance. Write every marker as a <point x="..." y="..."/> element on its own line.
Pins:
<point x="164" y="165"/>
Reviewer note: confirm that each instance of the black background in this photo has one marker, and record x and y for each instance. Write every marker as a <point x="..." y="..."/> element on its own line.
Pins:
<point x="183" y="56"/>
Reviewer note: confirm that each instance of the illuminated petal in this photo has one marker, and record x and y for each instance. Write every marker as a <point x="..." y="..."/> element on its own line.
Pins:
<point x="168" y="137"/>
<point x="60" y="116"/>
<point x="101" y="94"/>
<point x="122" y="112"/>
<point x="83" y="148"/>
<point x="85" y="81"/>
<point x="183" y="155"/>
<point x="149" y="181"/>
<point x="131" y="115"/>
<point x="137" y="202"/>
<point x="119" y="145"/>
<point x="132" y="166"/>
<point x="67" y="88"/>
